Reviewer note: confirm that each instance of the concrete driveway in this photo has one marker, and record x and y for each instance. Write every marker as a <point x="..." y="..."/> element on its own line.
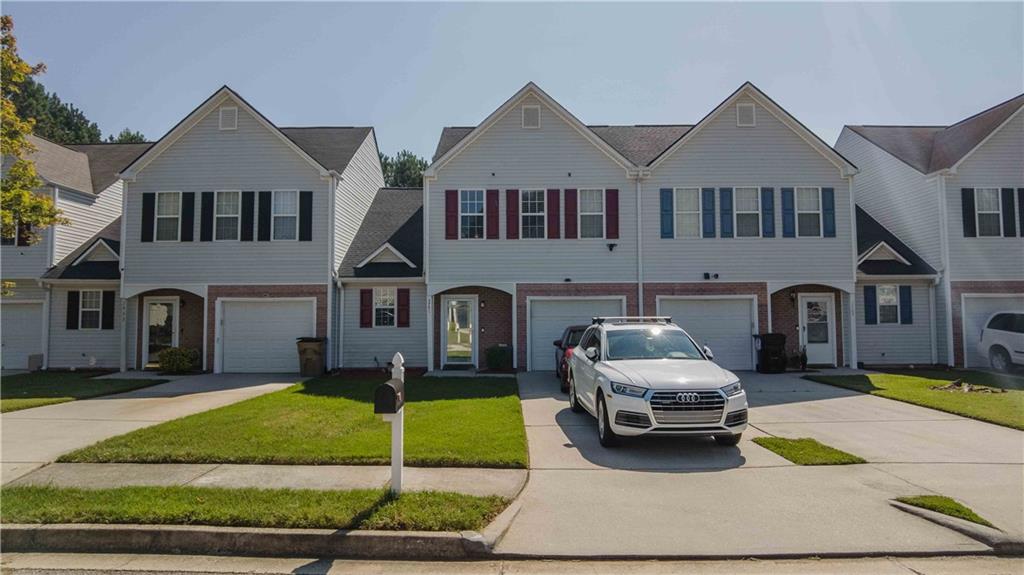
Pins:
<point x="671" y="496"/>
<point x="34" y="437"/>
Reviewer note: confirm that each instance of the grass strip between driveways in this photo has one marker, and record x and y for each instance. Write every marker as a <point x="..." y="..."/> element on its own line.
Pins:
<point x="283" y="508"/>
<point x="915" y="386"/>
<point x="946" y="506"/>
<point x="36" y="389"/>
<point x="457" y="422"/>
<point x="807" y="451"/>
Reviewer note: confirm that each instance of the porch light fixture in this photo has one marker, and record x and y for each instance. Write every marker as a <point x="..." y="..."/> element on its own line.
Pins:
<point x="792" y="295"/>
<point x="611" y="247"/>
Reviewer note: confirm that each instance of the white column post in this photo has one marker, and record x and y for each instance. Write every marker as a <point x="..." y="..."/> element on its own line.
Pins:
<point x="397" y="429"/>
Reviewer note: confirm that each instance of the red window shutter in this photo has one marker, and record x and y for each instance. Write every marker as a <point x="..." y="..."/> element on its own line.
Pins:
<point x="451" y="214"/>
<point x="554" y="214"/>
<point x="611" y="207"/>
<point x="366" y="308"/>
<point x="403" y="307"/>
<point x="492" y="214"/>
<point x="571" y="207"/>
<point x="512" y="214"/>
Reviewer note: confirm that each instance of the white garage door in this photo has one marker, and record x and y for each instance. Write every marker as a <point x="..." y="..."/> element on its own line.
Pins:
<point x="259" y="336"/>
<point x="22" y="333"/>
<point x="977" y="310"/>
<point x="550" y="317"/>
<point x="724" y="325"/>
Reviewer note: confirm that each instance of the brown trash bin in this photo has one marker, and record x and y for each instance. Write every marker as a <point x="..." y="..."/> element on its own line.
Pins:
<point x="311" y="356"/>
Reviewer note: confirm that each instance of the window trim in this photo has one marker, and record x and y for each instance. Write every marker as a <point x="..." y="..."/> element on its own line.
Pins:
<point x="157" y="216"/>
<point x="797" y="212"/>
<point x="238" y="229"/>
<point x="736" y="213"/>
<point x="220" y="118"/>
<point x="753" y="114"/>
<point x="878" y="304"/>
<point x="482" y="215"/>
<point x="393" y="307"/>
<point x="580" y="214"/>
<point x="543" y="214"/>
<point x="676" y="211"/>
<point x="82" y="309"/>
<point x="274" y="215"/>
<point x="523" y="116"/>
<point x="998" y="211"/>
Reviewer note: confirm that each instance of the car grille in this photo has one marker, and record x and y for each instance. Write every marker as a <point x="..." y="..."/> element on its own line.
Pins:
<point x="632" y="419"/>
<point x="668" y="410"/>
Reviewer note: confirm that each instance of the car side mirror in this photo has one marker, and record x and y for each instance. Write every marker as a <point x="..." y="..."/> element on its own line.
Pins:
<point x="591" y="353"/>
<point x="707" y="352"/>
<point x="557" y="343"/>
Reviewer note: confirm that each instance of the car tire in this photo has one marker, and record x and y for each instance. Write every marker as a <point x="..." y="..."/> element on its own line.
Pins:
<point x="574" y="401"/>
<point x="999" y="359"/>
<point x="605" y="435"/>
<point x="728" y="440"/>
<point x="564" y="384"/>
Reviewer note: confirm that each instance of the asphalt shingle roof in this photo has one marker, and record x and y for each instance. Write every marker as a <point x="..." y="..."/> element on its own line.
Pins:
<point x="332" y="147"/>
<point x="394" y="217"/>
<point x="60" y="165"/>
<point x="870" y="233"/>
<point x="91" y="270"/>
<point x="106" y="160"/>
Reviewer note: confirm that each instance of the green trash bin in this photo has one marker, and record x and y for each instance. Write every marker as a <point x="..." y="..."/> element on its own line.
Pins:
<point x="311" y="355"/>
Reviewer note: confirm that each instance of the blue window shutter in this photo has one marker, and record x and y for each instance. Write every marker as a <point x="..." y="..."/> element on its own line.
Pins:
<point x="870" y="305"/>
<point x="788" y="214"/>
<point x="726" y="211"/>
<point x="768" y="212"/>
<point x="906" y="306"/>
<point x="708" y="211"/>
<point x="667" y="217"/>
<point x="828" y="212"/>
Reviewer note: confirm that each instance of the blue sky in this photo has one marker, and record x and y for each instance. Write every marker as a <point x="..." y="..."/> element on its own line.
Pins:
<point x="410" y="69"/>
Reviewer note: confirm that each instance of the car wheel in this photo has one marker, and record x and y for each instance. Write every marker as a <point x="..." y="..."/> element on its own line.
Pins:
<point x="605" y="434"/>
<point x="999" y="359"/>
<point x="728" y="439"/>
<point x="574" y="402"/>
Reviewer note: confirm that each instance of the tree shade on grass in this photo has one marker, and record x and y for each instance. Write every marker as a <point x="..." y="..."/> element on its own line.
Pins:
<point x="915" y="386"/>
<point x="459" y="422"/>
<point x="946" y="506"/>
<point x="27" y="390"/>
<point x="807" y="451"/>
<point x="283" y="508"/>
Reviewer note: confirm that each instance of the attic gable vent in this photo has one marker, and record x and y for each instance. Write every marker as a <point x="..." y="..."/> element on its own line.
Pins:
<point x="531" y="117"/>
<point x="229" y="118"/>
<point x="745" y="117"/>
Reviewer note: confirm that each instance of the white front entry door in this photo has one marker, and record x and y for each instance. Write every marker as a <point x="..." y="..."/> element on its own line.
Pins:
<point x="817" y="328"/>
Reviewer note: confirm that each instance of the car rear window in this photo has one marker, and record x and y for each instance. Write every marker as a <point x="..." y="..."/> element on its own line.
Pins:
<point x="1001" y="321"/>
<point x="574" y="337"/>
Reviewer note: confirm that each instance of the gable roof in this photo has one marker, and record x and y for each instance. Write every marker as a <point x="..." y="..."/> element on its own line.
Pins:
<point x="870" y="234"/>
<point x="106" y="160"/>
<point x="396" y="218"/>
<point x="929" y="149"/>
<point x="66" y="269"/>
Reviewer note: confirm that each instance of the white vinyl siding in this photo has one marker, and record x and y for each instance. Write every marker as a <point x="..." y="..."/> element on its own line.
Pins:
<point x="747" y="211"/>
<point x="591" y="214"/>
<point x="227" y="215"/>
<point x="354" y="194"/>
<point x="896" y="343"/>
<point x="385" y="307"/>
<point x="375" y="347"/>
<point x="83" y="349"/>
<point x="532" y="214"/>
<point x="88" y="215"/>
<point x="687" y="213"/>
<point x="471" y="214"/>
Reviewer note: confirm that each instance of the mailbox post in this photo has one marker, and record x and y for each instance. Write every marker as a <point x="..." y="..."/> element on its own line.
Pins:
<point x="389" y="401"/>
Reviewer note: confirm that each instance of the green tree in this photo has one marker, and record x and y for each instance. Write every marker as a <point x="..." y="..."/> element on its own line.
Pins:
<point x="56" y="120"/>
<point x="405" y="170"/>
<point x="127" y="137"/>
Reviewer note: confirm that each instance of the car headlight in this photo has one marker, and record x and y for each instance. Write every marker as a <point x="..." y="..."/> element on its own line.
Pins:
<point x="630" y="390"/>
<point x="732" y="389"/>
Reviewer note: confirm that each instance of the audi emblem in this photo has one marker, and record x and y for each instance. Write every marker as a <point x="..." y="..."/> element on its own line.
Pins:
<point x="687" y="397"/>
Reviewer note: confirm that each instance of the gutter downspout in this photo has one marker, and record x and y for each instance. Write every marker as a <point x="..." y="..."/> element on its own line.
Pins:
<point x="426" y="277"/>
<point x="931" y="320"/>
<point x="124" y="303"/>
<point x="947" y="289"/>
<point x="853" y="295"/>
<point x="333" y="182"/>
<point x="639" y="245"/>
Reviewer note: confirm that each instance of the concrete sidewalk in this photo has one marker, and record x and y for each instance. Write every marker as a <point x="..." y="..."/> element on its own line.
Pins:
<point x="471" y="481"/>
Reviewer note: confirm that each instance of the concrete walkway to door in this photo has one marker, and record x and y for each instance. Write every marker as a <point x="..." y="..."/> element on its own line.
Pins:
<point x="31" y="438"/>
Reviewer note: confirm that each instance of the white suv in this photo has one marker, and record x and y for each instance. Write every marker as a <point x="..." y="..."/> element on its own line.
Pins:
<point x="646" y="376"/>
<point x="1002" y="340"/>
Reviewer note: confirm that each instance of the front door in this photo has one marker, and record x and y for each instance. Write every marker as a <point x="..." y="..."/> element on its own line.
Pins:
<point x="817" y="328"/>
<point x="460" y="331"/>
<point x="160" y="329"/>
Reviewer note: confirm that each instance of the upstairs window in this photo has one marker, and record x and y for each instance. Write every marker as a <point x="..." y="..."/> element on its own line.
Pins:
<point x="471" y="214"/>
<point x="532" y="214"/>
<point x="988" y="210"/>
<point x="748" y="213"/>
<point x="229" y="118"/>
<point x="808" y="212"/>
<point x="888" y="304"/>
<point x="531" y="117"/>
<point x="227" y="215"/>
<point x="687" y="212"/>
<point x="384" y="306"/>
<point x="90" y="309"/>
<point x="168" y="216"/>
<point x="285" y="220"/>
<point x="591" y="214"/>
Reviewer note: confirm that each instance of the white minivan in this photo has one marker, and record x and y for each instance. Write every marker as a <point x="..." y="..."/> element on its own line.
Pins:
<point x="1002" y="340"/>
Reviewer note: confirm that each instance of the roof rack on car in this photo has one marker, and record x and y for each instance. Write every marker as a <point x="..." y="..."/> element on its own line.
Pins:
<point x="632" y="319"/>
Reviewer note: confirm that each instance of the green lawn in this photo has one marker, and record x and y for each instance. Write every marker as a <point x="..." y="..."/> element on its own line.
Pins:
<point x="946" y="506"/>
<point x="286" y="508"/>
<point x="807" y="451"/>
<point x="459" y="422"/>
<point x="915" y="387"/>
<point x="27" y="390"/>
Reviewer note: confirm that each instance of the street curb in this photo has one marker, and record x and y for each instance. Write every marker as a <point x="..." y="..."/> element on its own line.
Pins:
<point x="209" y="540"/>
<point x="1000" y="542"/>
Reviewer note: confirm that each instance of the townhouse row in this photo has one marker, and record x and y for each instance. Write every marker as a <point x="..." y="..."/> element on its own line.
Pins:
<point x="233" y="236"/>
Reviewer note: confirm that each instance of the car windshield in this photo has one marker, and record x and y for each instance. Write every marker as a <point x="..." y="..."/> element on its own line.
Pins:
<point x="650" y="343"/>
<point x="574" y="337"/>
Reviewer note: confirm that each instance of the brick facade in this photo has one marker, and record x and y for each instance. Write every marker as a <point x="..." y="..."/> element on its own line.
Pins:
<point x="653" y="290"/>
<point x="957" y="289"/>
<point x="786" y="317"/>
<point x="494" y="318"/>
<point x="190" y="320"/>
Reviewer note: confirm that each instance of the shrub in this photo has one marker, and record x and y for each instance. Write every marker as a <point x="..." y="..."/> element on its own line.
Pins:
<point x="178" y="359"/>
<point x="499" y="357"/>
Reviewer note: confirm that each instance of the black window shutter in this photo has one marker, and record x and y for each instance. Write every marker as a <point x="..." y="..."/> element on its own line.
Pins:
<point x="206" y="218"/>
<point x="1020" y="209"/>
<point x="263" y="219"/>
<point x="906" y="306"/>
<point x="188" y="211"/>
<point x="148" y="214"/>
<point x="248" y="210"/>
<point x="870" y="305"/>
<point x="1009" y="217"/>
<point x="108" y="310"/>
<point x="967" y="205"/>
<point x="828" y="212"/>
<point x="305" y="216"/>
<point x="72" y="322"/>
